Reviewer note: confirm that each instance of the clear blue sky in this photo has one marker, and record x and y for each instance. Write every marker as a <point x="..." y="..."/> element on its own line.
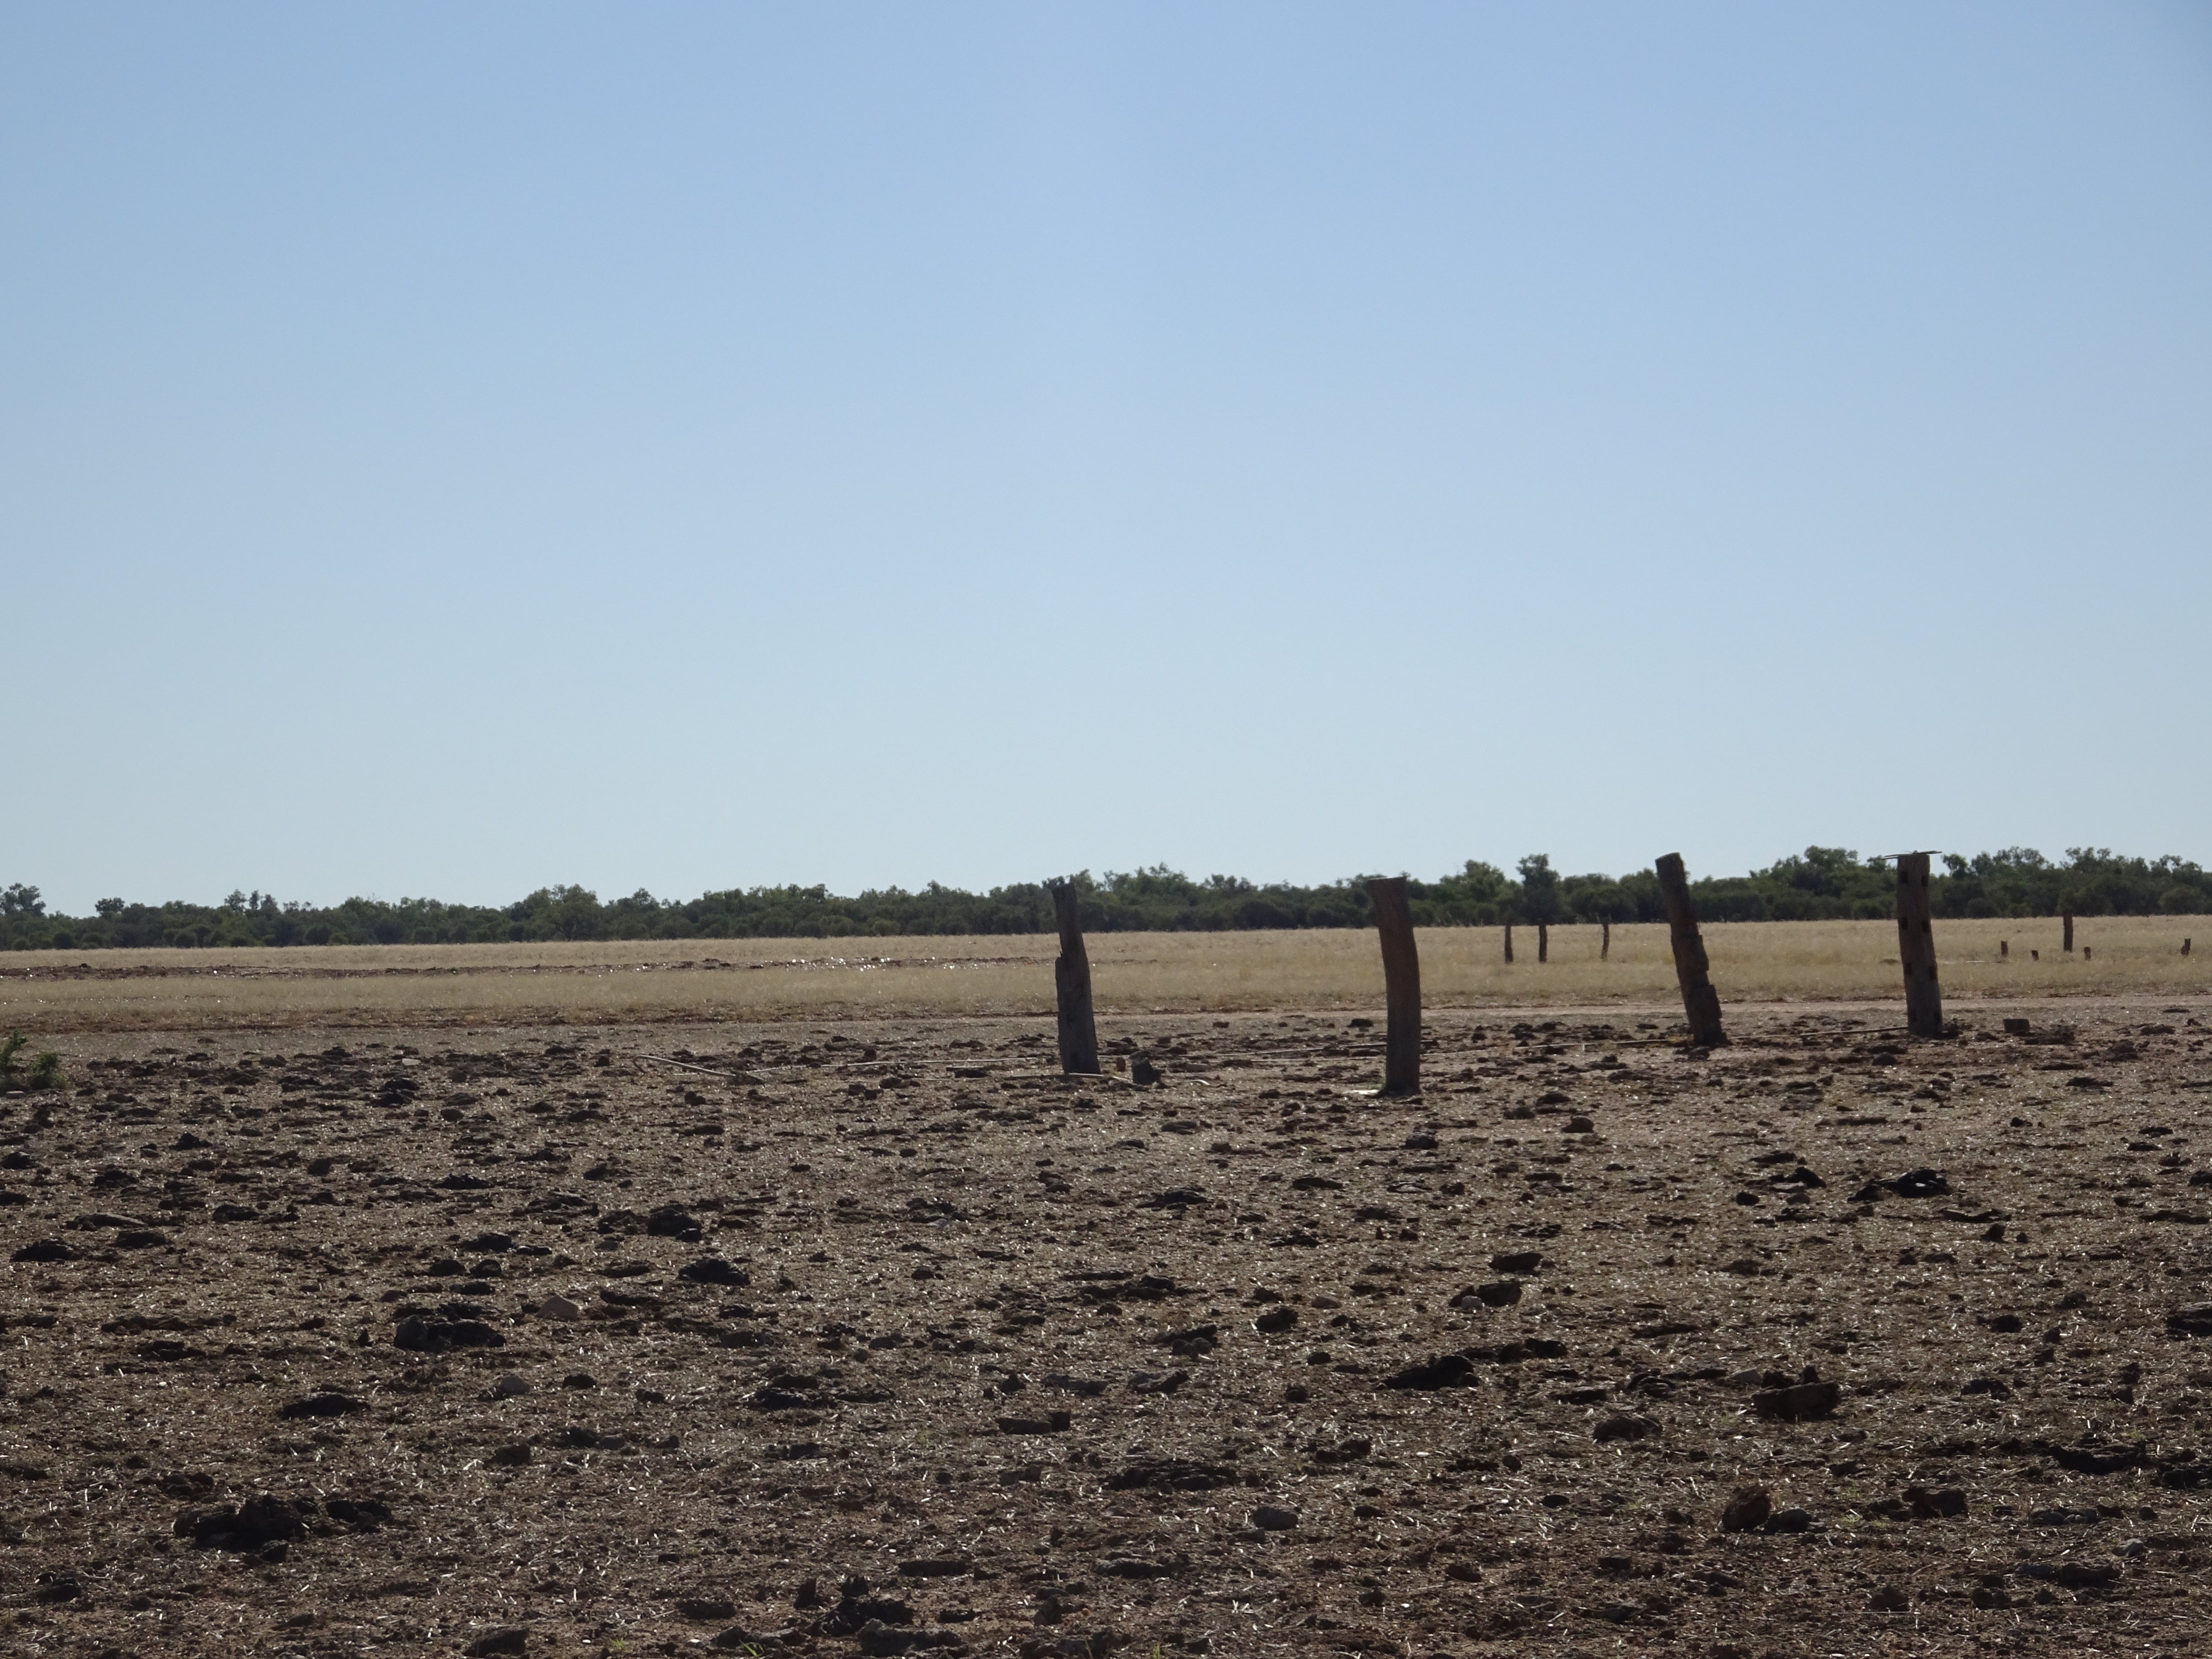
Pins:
<point x="446" y="450"/>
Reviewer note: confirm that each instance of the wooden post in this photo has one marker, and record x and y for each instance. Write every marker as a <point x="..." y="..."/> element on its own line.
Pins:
<point x="1509" y="941"/>
<point x="2067" y="917"/>
<point x="1401" y="976"/>
<point x="1604" y="940"/>
<point x="1543" y="942"/>
<point x="1071" y="978"/>
<point x="2184" y="947"/>
<point x="1700" y="1001"/>
<point x="1916" y="948"/>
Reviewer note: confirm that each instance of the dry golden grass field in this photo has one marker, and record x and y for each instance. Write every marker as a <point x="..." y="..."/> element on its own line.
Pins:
<point x="694" y="980"/>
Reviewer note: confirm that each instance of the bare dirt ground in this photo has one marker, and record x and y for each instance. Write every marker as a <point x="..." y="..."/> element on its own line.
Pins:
<point x="869" y="1337"/>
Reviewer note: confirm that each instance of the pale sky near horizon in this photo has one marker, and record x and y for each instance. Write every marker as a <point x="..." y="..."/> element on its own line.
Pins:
<point x="446" y="451"/>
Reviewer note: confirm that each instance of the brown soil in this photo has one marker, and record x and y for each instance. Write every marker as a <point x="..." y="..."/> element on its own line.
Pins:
<point x="880" y="1338"/>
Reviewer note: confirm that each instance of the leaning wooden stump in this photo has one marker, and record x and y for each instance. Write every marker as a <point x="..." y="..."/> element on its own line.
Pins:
<point x="1509" y="941"/>
<point x="1604" y="940"/>
<point x="1916" y="948"/>
<point x="1543" y="942"/>
<point x="1071" y="978"/>
<point x="1700" y="1002"/>
<point x="2067" y="943"/>
<point x="1401" y="976"/>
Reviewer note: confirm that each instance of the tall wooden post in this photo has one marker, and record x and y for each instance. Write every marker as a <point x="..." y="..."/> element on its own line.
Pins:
<point x="1401" y="976"/>
<point x="1604" y="940"/>
<point x="1700" y="1002"/>
<point x="1071" y="978"/>
<point x="1509" y="941"/>
<point x="1916" y="948"/>
<point x="1543" y="942"/>
<point x="2068" y="918"/>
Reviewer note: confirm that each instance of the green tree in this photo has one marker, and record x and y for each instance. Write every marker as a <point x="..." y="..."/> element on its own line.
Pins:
<point x="1539" y="889"/>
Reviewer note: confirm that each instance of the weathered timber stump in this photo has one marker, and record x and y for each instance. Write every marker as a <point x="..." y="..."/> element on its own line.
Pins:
<point x="1070" y="979"/>
<point x="1401" y="975"/>
<point x="1700" y="1002"/>
<point x="1916" y="948"/>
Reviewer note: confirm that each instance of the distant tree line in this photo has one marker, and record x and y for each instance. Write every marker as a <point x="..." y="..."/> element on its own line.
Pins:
<point x="1823" y="883"/>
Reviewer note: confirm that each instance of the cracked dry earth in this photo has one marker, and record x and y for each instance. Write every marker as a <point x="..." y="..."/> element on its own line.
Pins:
<point x="875" y="1338"/>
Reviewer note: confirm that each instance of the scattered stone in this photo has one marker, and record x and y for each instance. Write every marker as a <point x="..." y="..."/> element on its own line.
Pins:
<point x="712" y="1270"/>
<point x="502" y="1643"/>
<point x="1747" y="1509"/>
<point x="1913" y="1183"/>
<point x="259" y="1520"/>
<point x="1273" y="1517"/>
<point x="358" y="1514"/>
<point x="1171" y="1474"/>
<point x="1450" y="1370"/>
<point x="420" y="1334"/>
<point x="2098" y="1459"/>
<point x="1175" y="1198"/>
<point x="1800" y="1402"/>
<point x="1131" y="1566"/>
<point x="1624" y="1425"/>
<point x="936" y="1567"/>
<point x="1157" y="1381"/>
<point x="2193" y="1319"/>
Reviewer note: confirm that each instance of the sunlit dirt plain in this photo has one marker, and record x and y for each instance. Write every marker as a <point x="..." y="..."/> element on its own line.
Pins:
<point x="517" y="1310"/>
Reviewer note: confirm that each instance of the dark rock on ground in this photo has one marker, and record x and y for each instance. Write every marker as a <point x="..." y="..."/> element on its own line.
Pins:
<point x="1450" y="1370"/>
<point x="1800" y="1402"/>
<point x="261" y="1519"/>
<point x="1747" y="1509"/>
<point x="421" y="1334"/>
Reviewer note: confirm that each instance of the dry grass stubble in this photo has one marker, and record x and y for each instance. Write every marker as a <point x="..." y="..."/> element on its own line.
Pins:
<point x="653" y="980"/>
